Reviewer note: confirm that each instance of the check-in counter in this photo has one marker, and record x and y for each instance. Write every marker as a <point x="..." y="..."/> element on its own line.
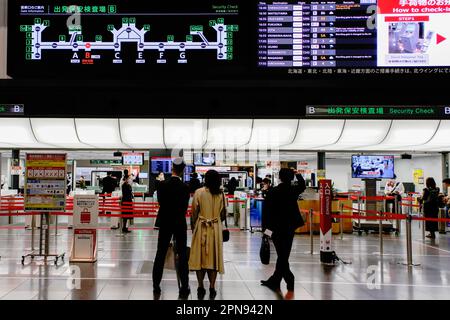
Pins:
<point x="315" y="205"/>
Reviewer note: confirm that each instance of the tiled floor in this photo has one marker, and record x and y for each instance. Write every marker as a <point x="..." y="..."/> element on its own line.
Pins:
<point x="123" y="270"/>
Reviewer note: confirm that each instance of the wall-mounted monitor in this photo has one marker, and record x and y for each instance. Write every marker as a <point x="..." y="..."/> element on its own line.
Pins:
<point x="187" y="172"/>
<point x="372" y="167"/>
<point x="161" y="164"/>
<point x="143" y="175"/>
<point x="133" y="158"/>
<point x="204" y="159"/>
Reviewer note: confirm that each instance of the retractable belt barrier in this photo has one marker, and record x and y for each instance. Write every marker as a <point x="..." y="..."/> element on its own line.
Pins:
<point x="379" y="215"/>
<point x="143" y="210"/>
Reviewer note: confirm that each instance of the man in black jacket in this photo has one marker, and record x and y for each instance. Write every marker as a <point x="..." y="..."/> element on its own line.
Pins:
<point x="109" y="184"/>
<point x="173" y="198"/>
<point x="282" y="217"/>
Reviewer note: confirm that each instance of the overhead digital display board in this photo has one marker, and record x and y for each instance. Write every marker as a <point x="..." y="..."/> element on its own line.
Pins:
<point x="117" y="37"/>
<point x="355" y="37"/>
<point x="250" y="39"/>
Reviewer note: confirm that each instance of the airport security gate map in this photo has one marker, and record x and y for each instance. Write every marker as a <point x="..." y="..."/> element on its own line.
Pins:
<point x="106" y="34"/>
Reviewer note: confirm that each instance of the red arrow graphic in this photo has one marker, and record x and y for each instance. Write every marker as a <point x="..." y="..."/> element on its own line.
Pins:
<point x="440" y="38"/>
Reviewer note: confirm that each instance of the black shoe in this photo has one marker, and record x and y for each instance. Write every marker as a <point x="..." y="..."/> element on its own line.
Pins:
<point x="201" y="293"/>
<point x="156" y="289"/>
<point x="212" y="293"/>
<point x="126" y="231"/>
<point x="272" y="286"/>
<point x="290" y="287"/>
<point x="184" y="293"/>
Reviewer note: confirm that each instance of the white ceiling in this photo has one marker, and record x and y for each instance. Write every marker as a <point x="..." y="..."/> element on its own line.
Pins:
<point x="247" y="134"/>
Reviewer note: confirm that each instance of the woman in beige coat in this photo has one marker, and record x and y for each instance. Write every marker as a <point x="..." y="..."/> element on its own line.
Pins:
<point x="208" y="212"/>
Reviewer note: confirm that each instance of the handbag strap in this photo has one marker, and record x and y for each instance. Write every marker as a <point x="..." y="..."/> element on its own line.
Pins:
<point x="225" y="208"/>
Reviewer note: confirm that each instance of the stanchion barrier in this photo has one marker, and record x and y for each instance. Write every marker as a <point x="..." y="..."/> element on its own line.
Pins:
<point x="442" y="225"/>
<point x="423" y="224"/>
<point x="409" y="261"/>
<point x="359" y="210"/>
<point x="398" y="224"/>
<point x="311" y="232"/>
<point x="380" y="232"/>
<point x="341" y="221"/>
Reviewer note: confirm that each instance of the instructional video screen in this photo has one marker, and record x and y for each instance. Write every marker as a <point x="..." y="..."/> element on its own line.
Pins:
<point x="413" y="33"/>
<point x="357" y="37"/>
<point x="373" y="167"/>
<point x="204" y="159"/>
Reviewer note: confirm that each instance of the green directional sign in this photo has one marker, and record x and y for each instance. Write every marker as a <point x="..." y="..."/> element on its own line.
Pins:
<point x="376" y="111"/>
<point x="197" y="28"/>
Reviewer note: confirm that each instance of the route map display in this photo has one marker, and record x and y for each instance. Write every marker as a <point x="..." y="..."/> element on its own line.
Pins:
<point x="123" y="36"/>
<point x="358" y="37"/>
<point x="220" y="39"/>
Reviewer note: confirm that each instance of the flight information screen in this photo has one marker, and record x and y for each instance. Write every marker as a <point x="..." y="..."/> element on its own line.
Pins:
<point x="107" y="37"/>
<point x="364" y="36"/>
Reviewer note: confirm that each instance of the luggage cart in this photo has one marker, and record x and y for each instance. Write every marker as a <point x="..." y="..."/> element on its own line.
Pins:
<point x="442" y="226"/>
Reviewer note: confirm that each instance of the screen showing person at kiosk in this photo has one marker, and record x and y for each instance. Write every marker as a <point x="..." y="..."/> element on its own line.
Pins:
<point x="204" y="159"/>
<point x="372" y="167"/>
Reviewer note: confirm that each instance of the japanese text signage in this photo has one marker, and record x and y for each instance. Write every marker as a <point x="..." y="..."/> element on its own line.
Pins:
<point x="45" y="182"/>
<point x="382" y="112"/>
<point x="325" y="220"/>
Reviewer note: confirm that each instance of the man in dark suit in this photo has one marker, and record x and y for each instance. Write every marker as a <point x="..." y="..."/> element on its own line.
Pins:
<point x="282" y="217"/>
<point x="109" y="184"/>
<point x="173" y="198"/>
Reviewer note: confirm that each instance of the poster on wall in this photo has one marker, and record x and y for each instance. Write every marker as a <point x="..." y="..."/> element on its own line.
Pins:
<point x="418" y="176"/>
<point x="321" y="175"/>
<point x="45" y="182"/>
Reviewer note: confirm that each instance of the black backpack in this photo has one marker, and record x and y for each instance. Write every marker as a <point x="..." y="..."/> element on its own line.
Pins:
<point x="433" y="197"/>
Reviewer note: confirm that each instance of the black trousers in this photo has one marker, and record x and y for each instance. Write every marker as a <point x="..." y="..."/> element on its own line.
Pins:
<point x="283" y="246"/>
<point x="164" y="237"/>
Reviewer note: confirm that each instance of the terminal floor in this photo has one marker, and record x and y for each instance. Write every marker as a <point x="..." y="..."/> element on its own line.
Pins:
<point x="123" y="270"/>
